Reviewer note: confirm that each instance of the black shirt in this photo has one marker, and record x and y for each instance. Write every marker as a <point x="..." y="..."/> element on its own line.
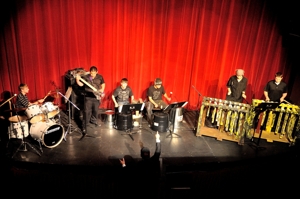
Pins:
<point x="96" y="83"/>
<point x="156" y="93"/>
<point x="123" y="95"/>
<point x="236" y="87"/>
<point x="275" y="91"/>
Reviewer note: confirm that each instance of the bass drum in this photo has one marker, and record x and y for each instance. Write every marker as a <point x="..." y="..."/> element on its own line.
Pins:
<point x="49" y="133"/>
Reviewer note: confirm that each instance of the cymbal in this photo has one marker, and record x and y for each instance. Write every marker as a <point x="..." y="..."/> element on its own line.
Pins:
<point x="15" y="118"/>
<point x="16" y="110"/>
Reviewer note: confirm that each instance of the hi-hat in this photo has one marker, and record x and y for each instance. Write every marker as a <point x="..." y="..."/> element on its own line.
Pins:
<point x="18" y="118"/>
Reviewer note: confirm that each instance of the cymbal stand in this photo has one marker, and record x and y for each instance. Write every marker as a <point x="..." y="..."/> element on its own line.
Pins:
<point x="69" y="129"/>
<point x="23" y="143"/>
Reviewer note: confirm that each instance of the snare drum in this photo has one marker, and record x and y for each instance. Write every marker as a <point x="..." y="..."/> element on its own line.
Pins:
<point x="49" y="133"/>
<point x="34" y="113"/>
<point x="49" y="109"/>
<point x="15" y="129"/>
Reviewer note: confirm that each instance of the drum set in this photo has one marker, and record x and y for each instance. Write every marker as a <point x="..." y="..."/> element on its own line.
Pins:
<point x="42" y="123"/>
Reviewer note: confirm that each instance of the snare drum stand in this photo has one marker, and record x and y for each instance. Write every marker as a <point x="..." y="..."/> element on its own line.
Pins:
<point x="69" y="129"/>
<point x="23" y="143"/>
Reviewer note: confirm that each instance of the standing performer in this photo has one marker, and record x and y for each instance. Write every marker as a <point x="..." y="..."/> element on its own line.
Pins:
<point x="22" y="100"/>
<point x="236" y="87"/>
<point x="155" y="94"/>
<point x="92" y="97"/>
<point x="122" y="94"/>
<point x="276" y="90"/>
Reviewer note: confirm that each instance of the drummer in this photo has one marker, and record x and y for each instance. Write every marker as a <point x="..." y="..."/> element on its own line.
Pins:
<point x="22" y="100"/>
<point x="155" y="94"/>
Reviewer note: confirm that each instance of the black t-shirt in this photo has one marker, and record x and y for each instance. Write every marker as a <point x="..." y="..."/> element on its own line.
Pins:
<point x="275" y="91"/>
<point x="236" y="87"/>
<point x="96" y="83"/>
<point x="156" y="93"/>
<point x="123" y="95"/>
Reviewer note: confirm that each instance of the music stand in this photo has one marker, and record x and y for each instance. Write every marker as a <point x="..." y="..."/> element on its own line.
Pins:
<point x="172" y="109"/>
<point x="70" y="127"/>
<point x="259" y="109"/>
<point x="129" y="108"/>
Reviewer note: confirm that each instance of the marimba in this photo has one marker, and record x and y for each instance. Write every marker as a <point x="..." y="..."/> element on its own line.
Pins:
<point x="283" y="120"/>
<point x="228" y="116"/>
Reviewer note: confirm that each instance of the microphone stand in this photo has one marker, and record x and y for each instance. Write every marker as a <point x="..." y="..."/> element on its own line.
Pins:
<point x="8" y="100"/>
<point x="198" y="103"/>
<point x="23" y="143"/>
<point x="69" y="129"/>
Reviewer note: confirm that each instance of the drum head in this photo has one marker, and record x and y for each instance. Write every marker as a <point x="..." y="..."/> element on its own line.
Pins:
<point x="53" y="136"/>
<point x="37" y="118"/>
<point x="52" y="113"/>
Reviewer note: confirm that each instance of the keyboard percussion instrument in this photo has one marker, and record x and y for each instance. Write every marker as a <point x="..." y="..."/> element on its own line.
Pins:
<point x="237" y="119"/>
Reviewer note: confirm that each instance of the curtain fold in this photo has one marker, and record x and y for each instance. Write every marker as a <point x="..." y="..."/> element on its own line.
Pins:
<point x="190" y="44"/>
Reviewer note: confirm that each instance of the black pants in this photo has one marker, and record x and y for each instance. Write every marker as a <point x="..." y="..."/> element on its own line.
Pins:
<point x="91" y="106"/>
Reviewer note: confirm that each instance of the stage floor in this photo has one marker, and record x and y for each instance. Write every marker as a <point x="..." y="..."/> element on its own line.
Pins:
<point x="97" y="155"/>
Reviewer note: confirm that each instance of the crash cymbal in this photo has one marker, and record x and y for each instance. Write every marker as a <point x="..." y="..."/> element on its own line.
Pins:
<point x="15" y="110"/>
<point x="15" y="118"/>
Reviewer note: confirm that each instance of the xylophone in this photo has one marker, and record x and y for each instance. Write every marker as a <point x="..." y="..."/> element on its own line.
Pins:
<point x="228" y="116"/>
<point x="283" y="120"/>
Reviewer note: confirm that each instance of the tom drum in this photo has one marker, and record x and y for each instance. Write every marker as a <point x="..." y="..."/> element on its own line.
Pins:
<point x="34" y="113"/>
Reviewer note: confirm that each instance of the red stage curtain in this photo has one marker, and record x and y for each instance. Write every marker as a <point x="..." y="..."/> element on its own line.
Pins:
<point x="188" y="43"/>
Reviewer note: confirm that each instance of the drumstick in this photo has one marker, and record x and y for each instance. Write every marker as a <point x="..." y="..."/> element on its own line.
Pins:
<point x="47" y="95"/>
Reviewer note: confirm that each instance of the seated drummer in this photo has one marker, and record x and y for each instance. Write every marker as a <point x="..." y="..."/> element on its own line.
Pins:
<point x="22" y="100"/>
<point x="155" y="93"/>
<point x="122" y="95"/>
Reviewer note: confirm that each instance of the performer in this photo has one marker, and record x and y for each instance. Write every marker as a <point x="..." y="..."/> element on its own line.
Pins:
<point x="92" y="98"/>
<point x="236" y="87"/>
<point x="276" y="90"/>
<point x="22" y="100"/>
<point x="155" y="94"/>
<point x="122" y="94"/>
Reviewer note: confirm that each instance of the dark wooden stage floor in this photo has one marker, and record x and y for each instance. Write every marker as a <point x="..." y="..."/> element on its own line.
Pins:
<point x="190" y="166"/>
